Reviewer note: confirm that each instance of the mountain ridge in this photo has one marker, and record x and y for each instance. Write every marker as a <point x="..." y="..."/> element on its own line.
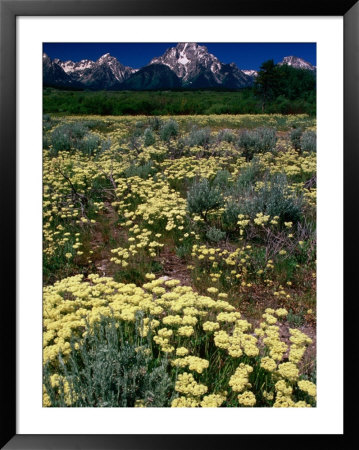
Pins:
<point x="297" y="63"/>
<point x="187" y="65"/>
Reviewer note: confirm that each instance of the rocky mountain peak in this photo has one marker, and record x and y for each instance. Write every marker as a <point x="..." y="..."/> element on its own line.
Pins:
<point x="106" y="58"/>
<point x="53" y="74"/>
<point x="188" y="59"/>
<point x="182" y="46"/>
<point x="250" y="72"/>
<point x="297" y="63"/>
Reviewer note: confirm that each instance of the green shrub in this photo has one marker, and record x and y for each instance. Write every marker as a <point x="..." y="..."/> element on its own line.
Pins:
<point x="226" y="135"/>
<point x="66" y="136"/>
<point x="184" y="250"/>
<point x="199" y="137"/>
<point x="100" y="125"/>
<point x="139" y="128"/>
<point x="248" y="176"/>
<point x="275" y="199"/>
<point x="168" y="130"/>
<point x="155" y="123"/>
<point x="230" y="215"/>
<point x="48" y="122"/>
<point x="46" y="140"/>
<point x="221" y="180"/>
<point x="260" y="140"/>
<point x="108" y="370"/>
<point x="295" y="137"/>
<point x="308" y="141"/>
<point x="202" y="198"/>
<point x="89" y="144"/>
<point x="75" y="136"/>
<point x="295" y="320"/>
<point x="149" y="137"/>
<point x="142" y="171"/>
<point x="215" y="235"/>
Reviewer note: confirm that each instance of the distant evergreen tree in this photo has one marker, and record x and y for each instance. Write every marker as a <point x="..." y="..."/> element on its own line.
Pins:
<point x="285" y="89"/>
<point x="266" y="82"/>
<point x="294" y="83"/>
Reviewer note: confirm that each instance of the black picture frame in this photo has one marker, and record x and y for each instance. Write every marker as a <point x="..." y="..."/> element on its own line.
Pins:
<point x="9" y="10"/>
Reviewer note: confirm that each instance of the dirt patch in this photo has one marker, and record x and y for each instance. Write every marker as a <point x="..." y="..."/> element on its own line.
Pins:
<point x="106" y="233"/>
<point x="283" y="134"/>
<point x="175" y="267"/>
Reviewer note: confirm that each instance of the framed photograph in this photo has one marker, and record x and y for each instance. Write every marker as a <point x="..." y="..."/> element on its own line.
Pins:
<point x="174" y="183"/>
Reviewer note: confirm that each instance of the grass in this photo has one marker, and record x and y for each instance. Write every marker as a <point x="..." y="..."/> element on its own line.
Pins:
<point x="155" y="103"/>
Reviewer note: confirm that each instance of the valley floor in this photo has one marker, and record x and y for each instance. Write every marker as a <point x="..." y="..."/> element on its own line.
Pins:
<point x="193" y="240"/>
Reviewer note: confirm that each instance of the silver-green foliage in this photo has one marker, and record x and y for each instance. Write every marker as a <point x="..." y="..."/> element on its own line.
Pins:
<point x="230" y="215"/>
<point x="107" y="370"/>
<point x="215" y="235"/>
<point x="226" y="135"/>
<point x="142" y="170"/>
<point x="154" y="123"/>
<point x="168" y="130"/>
<point x="276" y="199"/>
<point x="202" y="198"/>
<point x="308" y="141"/>
<point x="149" y="137"/>
<point x="295" y="137"/>
<point x="75" y="136"/>
<point x="48" y="122"/>
<point x="260" y="140"/>
<point x="221" y="180"/>
<point x="248" y="176"/>
<point x="66" y="136"/>
<point x="199" y="137"/>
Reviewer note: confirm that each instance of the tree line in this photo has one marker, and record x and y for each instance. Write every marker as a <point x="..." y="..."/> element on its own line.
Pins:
<point x="277" y="89"/>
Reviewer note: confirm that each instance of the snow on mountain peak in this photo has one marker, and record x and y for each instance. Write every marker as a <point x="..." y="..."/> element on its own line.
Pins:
<point x="188" y="60"/>
<point x="183" y="46"/>
<point x="183" y="59"/>
<point x="106" y="58"/>
<point x="297" y="63"/>
<point x="250" y="72"/>
<point x="196" y="66"/>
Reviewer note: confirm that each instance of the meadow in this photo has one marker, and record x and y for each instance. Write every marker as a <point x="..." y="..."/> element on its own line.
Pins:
<point x="296" y="100"/>
<point x="179" y="260"/>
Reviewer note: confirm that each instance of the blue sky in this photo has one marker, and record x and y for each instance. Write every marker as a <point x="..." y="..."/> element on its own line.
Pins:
<point x="245" y="55"/>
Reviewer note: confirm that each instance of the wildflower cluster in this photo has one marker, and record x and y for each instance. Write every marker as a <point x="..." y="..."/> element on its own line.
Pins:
<point x="161" y="310"/>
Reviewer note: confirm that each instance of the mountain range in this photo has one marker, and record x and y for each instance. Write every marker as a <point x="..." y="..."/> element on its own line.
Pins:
<point x="188" y="65"/>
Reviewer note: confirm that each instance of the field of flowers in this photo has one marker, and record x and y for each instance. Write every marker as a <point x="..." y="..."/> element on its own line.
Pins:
<point x="179" y="261"/>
